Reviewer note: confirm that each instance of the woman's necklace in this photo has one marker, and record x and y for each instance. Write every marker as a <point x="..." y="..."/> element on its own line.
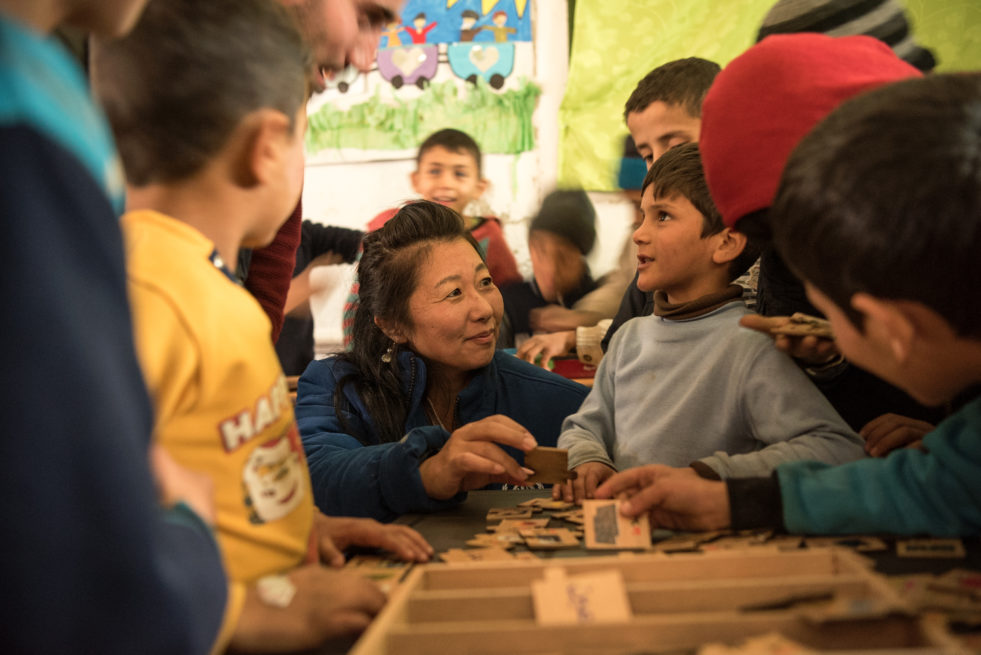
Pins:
<point x="432" y="408"/>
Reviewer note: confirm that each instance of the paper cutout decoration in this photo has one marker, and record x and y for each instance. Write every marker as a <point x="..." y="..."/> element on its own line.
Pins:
<point x="415" y="64"/>
<point x="492" y="62"/>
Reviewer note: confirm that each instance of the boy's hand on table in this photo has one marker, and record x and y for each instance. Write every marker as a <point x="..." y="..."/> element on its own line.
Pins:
<point x="176" y="483"/>
<point x="326" y="604"/>
<point x="548" y="346"/>
<point x="471" y="458"/>
<point x="885" y="433"/>
<point x="588" y="477"/>
<point x="336" y="534"/>
<point x="809" y="350"/>
<point x="674" y="498"/>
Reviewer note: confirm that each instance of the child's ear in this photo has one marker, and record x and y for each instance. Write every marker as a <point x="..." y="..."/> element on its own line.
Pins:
<point x="414" y="179"/>
<point x="888" y="322"/>
<point x="266" y="137"/>
<point x="482" y="185"/>
<point x="390" y="330"/>
<point x="730" y="245"/>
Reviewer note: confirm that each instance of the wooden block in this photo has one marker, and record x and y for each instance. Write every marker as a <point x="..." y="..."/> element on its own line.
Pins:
<point x="460" y="555"/>
<point x="606" y="528"/>
<point x="386" y="573"/>
<point x="505" y="540"/>
<point x="501" y="513"/>
<point x="938" y="548"/>
<point x="513" y="525"/>
<point x="549" y="538"/>
<point x="858" y="542"/>
<point x="678" y="544"/>
<point x="556" y="505"/>
<point x="551" y="465"/>
<point x="803" y="325"/>
<point x="599" y="597"/>
<point x="572" y="516"/>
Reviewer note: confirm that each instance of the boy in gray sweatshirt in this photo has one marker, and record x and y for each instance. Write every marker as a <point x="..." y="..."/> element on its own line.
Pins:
<point x="688" y="386"/>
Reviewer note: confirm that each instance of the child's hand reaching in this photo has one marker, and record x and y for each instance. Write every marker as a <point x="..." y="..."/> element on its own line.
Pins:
<point x="809" y="349"/>
<point x="336" y="534"/>
<point x="546" y="346"/>
<point x="675" y="498"/>
<point x="885" y="433"/>
<point x="588" y="477"/>
<point x="324" y="604"/>
<point x="176" y="483"/>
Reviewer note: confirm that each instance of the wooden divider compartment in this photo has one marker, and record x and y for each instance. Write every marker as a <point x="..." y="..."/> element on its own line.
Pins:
<point x="678" y="602"/>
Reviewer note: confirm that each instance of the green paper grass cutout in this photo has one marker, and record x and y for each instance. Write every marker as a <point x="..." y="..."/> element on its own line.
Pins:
<point x="499" y="121"/>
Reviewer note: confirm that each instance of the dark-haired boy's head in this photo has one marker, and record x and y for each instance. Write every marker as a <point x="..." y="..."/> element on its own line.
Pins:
<point x="665" y="108"/>
<point x="448" y="169"/>
<point x="683" y="247"/>
<point x="189" y="74"/>
<point x="681" y="175"/>
<point x="882" y="200"/>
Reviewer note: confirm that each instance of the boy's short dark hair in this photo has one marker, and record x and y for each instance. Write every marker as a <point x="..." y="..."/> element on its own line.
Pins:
<point x="454" y="141"/>
<point x="884" y="197"/>
<point x="177" y="87"/>
<point x="679" y="172"/>
<point x="681" y="82"/>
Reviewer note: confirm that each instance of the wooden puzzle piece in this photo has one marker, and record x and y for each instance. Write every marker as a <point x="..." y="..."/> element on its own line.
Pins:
<point x="489" y="554"/>
<point x="549" y="538"/>
<point x="934" y="548"/>
<point x="551" y="465"/>
<point x="803" y="325"/>
<point x="505" y="540"/>
<point x="386" y="573"/>
<point x="572" y="516"/>
<point x="606" y="528"/>
<point x="599" y="597"/>
<point x="556" y="505"/>
<point x="513" y="525"/>
<point x="501" y="513"/>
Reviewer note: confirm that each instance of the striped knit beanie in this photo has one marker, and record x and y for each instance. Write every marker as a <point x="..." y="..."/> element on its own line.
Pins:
<point x="883" y="19"/>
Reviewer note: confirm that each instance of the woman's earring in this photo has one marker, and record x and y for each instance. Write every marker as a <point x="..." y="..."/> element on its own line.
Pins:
<point x="387" y="355"/>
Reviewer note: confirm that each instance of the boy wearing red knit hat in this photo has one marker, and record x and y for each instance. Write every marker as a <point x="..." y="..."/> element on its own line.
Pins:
<point x="907" y="150"/>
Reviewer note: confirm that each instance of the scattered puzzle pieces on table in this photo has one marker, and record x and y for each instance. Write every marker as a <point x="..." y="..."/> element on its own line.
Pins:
<point x="513" y="525"/>
<point x="549" y="538"/>
<point x="462" y="555"/>
<point x="501" y="513"/>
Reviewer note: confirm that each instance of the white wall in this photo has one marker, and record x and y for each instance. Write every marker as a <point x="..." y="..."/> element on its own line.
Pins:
<point x="350" y="193"/>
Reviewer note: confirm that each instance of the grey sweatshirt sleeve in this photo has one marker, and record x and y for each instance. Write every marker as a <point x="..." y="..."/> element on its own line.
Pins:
<point x="589" y="434"/>
<point x="789" y="418"/>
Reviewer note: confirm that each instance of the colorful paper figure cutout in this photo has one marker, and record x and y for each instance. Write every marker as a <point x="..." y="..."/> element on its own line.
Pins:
<point x="500" y="29"/>
<point x="419" y="29"/>
<point x="391" y="34"/>
<point x="467" y="21"/>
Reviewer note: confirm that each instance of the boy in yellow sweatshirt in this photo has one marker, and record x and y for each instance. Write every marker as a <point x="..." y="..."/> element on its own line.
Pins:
<point x="214" y="161"/>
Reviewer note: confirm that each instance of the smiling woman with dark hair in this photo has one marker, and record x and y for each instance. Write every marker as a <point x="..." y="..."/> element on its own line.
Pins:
<point x="423" y="408"/>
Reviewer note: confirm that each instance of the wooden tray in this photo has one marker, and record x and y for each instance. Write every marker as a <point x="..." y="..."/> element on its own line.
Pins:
<point x="678" y="602"/>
